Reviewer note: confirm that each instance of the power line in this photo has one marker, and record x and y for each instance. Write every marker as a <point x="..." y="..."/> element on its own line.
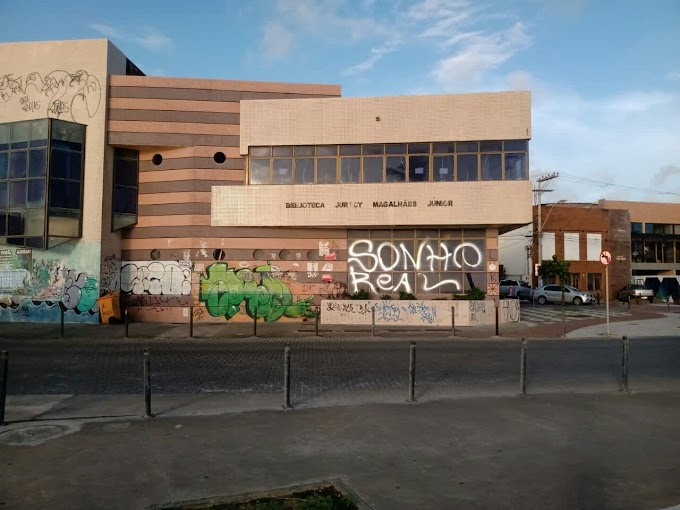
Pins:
<point x="604" y="184"/>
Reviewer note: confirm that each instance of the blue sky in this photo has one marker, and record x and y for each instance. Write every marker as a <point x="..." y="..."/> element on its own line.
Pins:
<point x="604" y="75"/>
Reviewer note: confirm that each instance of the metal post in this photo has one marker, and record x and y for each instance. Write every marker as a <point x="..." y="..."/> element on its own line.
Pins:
<point x="127" y="323"/>
<point x="255" y="322"/>
<point x="497" y="317"/>
<point x="286" y="378"/>
<point x="453" y="321"/>
<point x="373" y="321"/>
<point x="191" y="322"/>
<point x="624" y="365"/>
<point x="61" y="330"/>
<point x="412" y="373"/>
<point x="4" y="362"/>
<point x="523" y="368"/>
<point x="147" y="385"/>
<point x="606" y="295"/>
<point x="316" y="323"/>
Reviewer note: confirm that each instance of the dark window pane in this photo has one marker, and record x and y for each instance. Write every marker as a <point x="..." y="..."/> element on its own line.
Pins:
<point x="327" y="150"/>
<point x="36" y="193"/>
<point x="304" y="171"/>
<point x="374" y="149"/>
<point x="442" y="169"/>
<point x="75" y="165"/>
<point x="15" y="223"/>
<point x="21" y="132"/>
<point x="350" y="169"/>
<point x="350" y="150"/>
<point x="491" y="146"/>
<point x="120" y="153"/>
<point x="282" y="151"/>
<point x="37" y="162"/>
<point x="64" y="222"/>
<point x="3" y="195"/>
<point x="66" y="164"/>
<point x="123" y="220"/>
<point x="418" y="148"/>
<point x="635" y="227"/>
<point x="65" y="194"/>
<point x="649" y="228"/>
<point x="395" y="148"/>
<point x="4" y="136"/>
<point x="125" y="172"/>
<point x="373" y="169"/>
<point x="304" y="150"/>
<point x="418" y="168"/>
<point x="35" y="242"/>
<point x="326" y="170"/>
<point x="396" y="169"/>
<point x="3" y="223"/>
<point x="445" y="147"/>
<point x="17" y="164"/>
<point x="17" y="194"/>
<point x="283" y="171"/>
<point x="467" y="167"/>
<point x="16" y="241"/>
<point x="467" y="147"/>
<point x="67" y="134"/>
<point x="4" y="163"/>
<point x="492" y="167"/>
<point x="259" y="171"/>
<point x="515" y="167"/>
<point x="260" y="152"/>
<point x="515" y="145"/>
<point x="125" y="200"/>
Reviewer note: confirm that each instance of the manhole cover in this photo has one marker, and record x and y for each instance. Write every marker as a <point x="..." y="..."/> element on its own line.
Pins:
<point x="32" y="435"/>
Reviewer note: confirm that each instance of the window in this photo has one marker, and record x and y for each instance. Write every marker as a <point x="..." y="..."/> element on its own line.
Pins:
<point x="515" y="166"/>
<point x="492" y="167"/>
<point x="636" y="228"/>
<point x="649" y="228"/>
<point x="304" y="171"/>
<point x="396" y="169"/>
<point x="419" y="168"/>
<point x="572" y="280"/>
<point x="442" y="168"/>
<point x="594" y="281"/>
<point x="467" y="167"/>
<point x="548" y="245"/>
<point x="593" y="246"/>
<point x="571" y="247"/>
<point x="125" y="188"/>
<point x="373" y="169"/>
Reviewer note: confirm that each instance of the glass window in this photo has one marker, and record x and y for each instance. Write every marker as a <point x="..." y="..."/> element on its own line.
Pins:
<point x="445" y="147"/>
<point x="350" y="169"/>
<point x="304" y="171"/>
<point x="350" y="150"/>
<point x="66" y="164"/>
<point x="37" y="163"/>
<point x="65" y="194"/>
<point x="649" y="228"/>
<point x="39" y="133"/>
<point x="259" y="171"/>
<point x="260" y="152"/>
<point x="395" y="148"/>
<point x="636" y="227"/>
<point x="304" y="150"/>
<point x="442" y="168"/>
<point x="17" y="164"/>
<point x="419" y="168"/>
<point x="492" y="167"/>
<point x="373" y="169"/>
<point x="67" y="135"/>
<point x="125" y="188"/>
<point x="3" y="194"/>
<point x="282" y="151"/>
<point x="17" y="194"/>
<point x="326" y="170"/>
<point x="282" y="172"/>
<point x="16" y="223"/>
<point x="467" y="147"/>
<point x="491" y="146"/>
<point x="467" y="167"/>
<point x="374" y="149"/>
<point x="36" y="193"/>
<point x="21" y="132"/>
<point x="4" y="164"/>
<point x="594" y="281"/>
<point x="515" y="145"/>
<point x="515" y="167"/>
<point x="395" y="169"/>
<point x="418" y="148"/>
<point x="4" y="136"/>
<point x="327" y="150"/>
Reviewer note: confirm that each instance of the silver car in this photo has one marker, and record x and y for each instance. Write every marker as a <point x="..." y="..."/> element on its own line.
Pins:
<point x="553" y="294"/>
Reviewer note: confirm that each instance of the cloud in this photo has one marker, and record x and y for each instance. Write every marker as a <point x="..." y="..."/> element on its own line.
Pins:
<point x="673" y="76"/>
<point x="277" y="42"/>
<point x="664" y="173"/>
<point x="150" y="38"/>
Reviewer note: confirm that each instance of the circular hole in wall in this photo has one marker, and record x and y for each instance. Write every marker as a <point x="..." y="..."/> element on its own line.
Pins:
<point x="284" y="255"/>
<point x="219" y="254"/>
<point x="259" y="255"/>
<point x="155" y="254"/>
<point x="219" y="157"/>
<point x="313" y="255"/>
<point x="157" y="159"/>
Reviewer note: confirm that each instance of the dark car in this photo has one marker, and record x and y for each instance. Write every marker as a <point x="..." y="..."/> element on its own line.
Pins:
<point x="635" y="291"/>
<point x="515" y="289"/>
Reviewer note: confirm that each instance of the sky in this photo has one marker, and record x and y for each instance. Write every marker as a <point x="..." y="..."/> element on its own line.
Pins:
<point x="604" y="75"/>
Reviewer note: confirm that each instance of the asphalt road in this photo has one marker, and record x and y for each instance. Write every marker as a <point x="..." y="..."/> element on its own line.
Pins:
<point x="329" y="366"/>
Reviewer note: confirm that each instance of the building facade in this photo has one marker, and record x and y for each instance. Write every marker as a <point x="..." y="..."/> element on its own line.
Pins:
<point x="232" y="199"/>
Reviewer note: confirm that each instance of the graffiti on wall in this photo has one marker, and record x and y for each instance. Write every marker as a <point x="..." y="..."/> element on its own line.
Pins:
<point x="224" y="289"/>
<point x="73" y="96"/>
<point x="390" y="266"/>
<point x="167" y="277"/>
<point x="109" y="275"/>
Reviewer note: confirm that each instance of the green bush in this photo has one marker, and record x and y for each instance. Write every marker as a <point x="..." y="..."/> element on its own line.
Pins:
<point x="475" y="294"/>
<point x="406" y="295"/>
<point x="385" y="296"/>
<point x="360" y="294"/>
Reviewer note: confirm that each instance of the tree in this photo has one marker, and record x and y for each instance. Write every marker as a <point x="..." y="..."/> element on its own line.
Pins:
<point x="559" y="269"/>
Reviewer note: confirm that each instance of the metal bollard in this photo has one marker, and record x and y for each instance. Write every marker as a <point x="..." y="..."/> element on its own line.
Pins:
<point x="4" y="363"/>
<point x="523" y="368"/>
<point x="191" y="322"/>
<point x="316" y="323"/>
<point x="255" y="322"/>
<point x="147" y="385"/>
<point x="453" y="321"/>
<point x="61" y="330"/>
<point x="373" y="321"/>
<point x="412" y="373"/>
<point x="496" y="319"/>
<point x="624" y="365"/>
<point x="286" y="378"/>
<point x="127" y="323"/>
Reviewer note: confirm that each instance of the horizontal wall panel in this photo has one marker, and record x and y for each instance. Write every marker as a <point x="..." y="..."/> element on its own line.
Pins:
<point x="167" y="139"/>
<point x="221" y="242"/>
<point x="200" y="208"/>
<point x="200" y="94"/>
<point x="235" y="257"/>
<point x="184" y="174"/>
<point x="174" y="230"/>
<point x="178" y="186"/>
<point x="175" y="198"/>
<point x="189" y="163"/>
<point x="172" y="220"/>
<point x="131" y="103"/>
<point x="199" y="151"/>
<point x="130" y="126"/>
<point x="175" y="116"/>
<point x="203" y="83"/>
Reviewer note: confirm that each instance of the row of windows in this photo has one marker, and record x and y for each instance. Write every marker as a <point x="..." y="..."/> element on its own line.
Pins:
<point x="655" y="228"/>
<point x="655" y="252"/>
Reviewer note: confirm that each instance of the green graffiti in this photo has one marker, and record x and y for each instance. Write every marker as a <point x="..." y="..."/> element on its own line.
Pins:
<point x="223" y="289"/>
<point x="88" y="295"/>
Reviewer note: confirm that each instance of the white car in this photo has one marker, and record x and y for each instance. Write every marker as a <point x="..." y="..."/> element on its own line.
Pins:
<point x="553" y="294"/>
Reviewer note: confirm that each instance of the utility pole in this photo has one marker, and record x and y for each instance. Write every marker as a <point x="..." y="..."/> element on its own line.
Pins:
<point x="541" y="184"/>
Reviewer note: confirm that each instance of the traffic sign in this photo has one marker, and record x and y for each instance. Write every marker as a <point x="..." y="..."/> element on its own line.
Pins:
<point x="605" y="258"/>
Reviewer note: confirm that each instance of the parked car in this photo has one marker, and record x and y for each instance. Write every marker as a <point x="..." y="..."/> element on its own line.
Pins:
<point x="553" y="294"/>
<point x="516" y="289"/>
<point x="635" y="291"/>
